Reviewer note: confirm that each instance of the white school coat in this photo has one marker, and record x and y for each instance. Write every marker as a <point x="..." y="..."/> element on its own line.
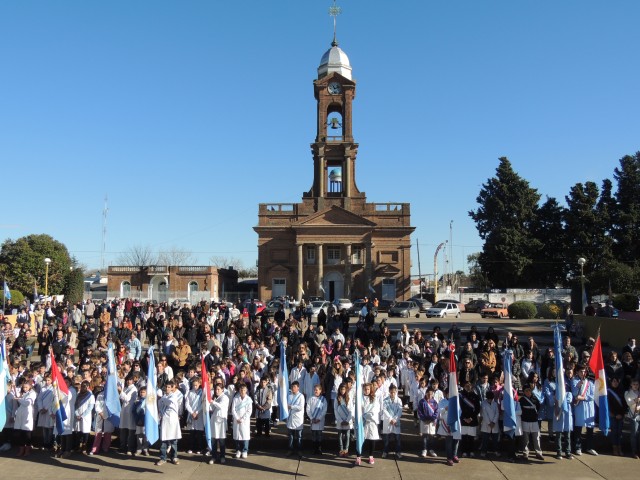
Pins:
<point x="170" y="409"/>
<point x="219" y="415"/>
<point x="391" y="410"/>
<point x="370" y="415"/>
<point x="128" y="397"/>
<point x="43" y="402"/>
<point x="295" y="420"/>
<point x="317" y="410"/>
<point x="193" y="404"/>
<point x="24" y="415"/>
<point x="241" y="414"/>
<point x="344" y="413"/>
<point x="83" y="415"/>
<point x="103" y="425"/>
<point x="490" y="414"/>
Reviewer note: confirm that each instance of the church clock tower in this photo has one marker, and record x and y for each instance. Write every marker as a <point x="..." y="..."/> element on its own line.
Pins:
<point x="334" y="244"/>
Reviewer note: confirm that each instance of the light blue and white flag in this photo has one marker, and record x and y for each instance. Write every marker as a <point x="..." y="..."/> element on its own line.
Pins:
<point x="453" y="413"/>
<point x="359" y="425"/>
<point x="7" y="292"/>
<point x="283" y="383"/>
<point x="561" y="389"/>
<point x="508" y="400"/>
<point x="151" y="416"/>
<point x="112" y="398"/>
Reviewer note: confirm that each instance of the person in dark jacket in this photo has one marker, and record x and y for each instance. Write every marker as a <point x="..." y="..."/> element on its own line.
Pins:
<point x="617" y="412"/>
<point x="530" y="406"/>
<point x="469" y="411"/>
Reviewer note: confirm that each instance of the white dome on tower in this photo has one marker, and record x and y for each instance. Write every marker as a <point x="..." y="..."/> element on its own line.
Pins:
<point x="334" y="60"/>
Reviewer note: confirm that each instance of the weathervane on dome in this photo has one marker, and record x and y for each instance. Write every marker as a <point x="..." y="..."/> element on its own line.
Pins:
<point x="334" y="11"/>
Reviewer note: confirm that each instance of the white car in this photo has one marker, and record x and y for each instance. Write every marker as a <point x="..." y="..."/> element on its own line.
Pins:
<point x="314" y="307"/>
<point x="342" y="303"/>
<point x="444" y="309"/>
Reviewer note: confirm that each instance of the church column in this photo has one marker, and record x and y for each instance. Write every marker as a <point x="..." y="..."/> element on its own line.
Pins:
<point x="320" y="269"/>
<point x="300" y="265"/>
<point x="368" y="267"/>
<point x="346" y="176"/>
<point x="347" y="272"/>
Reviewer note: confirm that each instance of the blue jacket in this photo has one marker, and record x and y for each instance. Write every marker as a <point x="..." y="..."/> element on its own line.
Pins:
<point x="584" y="411"/>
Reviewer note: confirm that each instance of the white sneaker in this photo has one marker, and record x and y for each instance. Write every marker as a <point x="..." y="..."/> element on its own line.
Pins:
<point x="423" y="453"/>
<point x="238" y="454"/>
<point x="384" y="454"/>
<point x="244" y="454"/>
<point x="398" y="455"/>
<point x="591" y="451"/>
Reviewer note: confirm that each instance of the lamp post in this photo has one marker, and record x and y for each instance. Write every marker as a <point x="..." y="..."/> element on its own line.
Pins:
<point x="581" y="262"/>
<point x="47" y="261"/>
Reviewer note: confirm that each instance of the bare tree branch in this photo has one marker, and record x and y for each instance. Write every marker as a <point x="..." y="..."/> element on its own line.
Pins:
<point x="138" y="256"/>
<point x="176" y="256"/>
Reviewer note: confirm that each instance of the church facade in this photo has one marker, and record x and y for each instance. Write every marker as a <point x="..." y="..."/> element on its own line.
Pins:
<point x="334" y="244"/>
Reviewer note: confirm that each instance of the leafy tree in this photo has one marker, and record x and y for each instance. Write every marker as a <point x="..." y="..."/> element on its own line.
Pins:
<point x="476" y="276"/>
<point x="22" y="262"/>
<point x="74" y="285"/>
<point x="504" y="221"/>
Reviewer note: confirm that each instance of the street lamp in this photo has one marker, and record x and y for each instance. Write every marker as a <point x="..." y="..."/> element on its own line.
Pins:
<point x="581" y="262"/>
<point x="47" y="261"/>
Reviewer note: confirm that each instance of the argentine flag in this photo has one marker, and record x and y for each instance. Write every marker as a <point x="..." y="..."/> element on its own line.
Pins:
<point x="7" y="292"/>
<point x="283" y="383"/>
<point x="596" y="364"/>
<point x="453" y="413"/>
<point x="151" y="416"/>
<point x="561" y="390"/>
<point x="508" y="400"/>
<point x="112" y="398"/>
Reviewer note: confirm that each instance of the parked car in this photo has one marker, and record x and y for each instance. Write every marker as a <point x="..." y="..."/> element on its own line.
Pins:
<point x="342" y="303"/>
<point x="404" y="309"/>
<point x="385" y="305"/>
<point x="495" y="310"/>
<point x="259" y="306"/>
<point x="314" y="307"/>
<point x="461" y="305"/>
<point x="475" y="306"/>
<point x="356" y="306"/>
<point x="444" y="309"/>
<point x="273" y="306"/>
<point x="608" y="311"/>
<point x="422" y="303"/>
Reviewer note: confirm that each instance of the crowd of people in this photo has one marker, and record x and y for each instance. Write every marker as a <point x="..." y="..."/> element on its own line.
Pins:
<point x="404" y="379"/>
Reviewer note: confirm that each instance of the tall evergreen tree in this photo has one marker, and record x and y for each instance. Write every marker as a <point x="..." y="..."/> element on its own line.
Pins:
<point x="626" y="231"/>
<point x="549" y="267"/>
<point x="504" y="219"/>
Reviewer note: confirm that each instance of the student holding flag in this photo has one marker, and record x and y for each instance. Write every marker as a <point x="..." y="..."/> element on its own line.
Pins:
<point x="584" y="411"/>
<point x="151" y="413"/>
<point x="510" y="407"/>
<point x="241" y="413"/>
<point x="600" y="398"/>
<point x="193" y="404"/>
<point x="205" y="404"/>
<point x="450" y="426"/>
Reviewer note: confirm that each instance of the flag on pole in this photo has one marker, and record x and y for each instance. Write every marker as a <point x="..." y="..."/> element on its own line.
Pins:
<point x="206" y="402"/>
<point x="112" y="398"/>
<point x="453" y="414"/>
<point x="584" y="299"/>
<point x="283" y="383"/>
<point x="561" y="391"/>
<point x="596" y="364"/>
<point x="151" y="416"/>
<point x="3" y="386"/>
<point x="35" y="292"/>
<point x="508" y="400"/>
<point x="60" y="394"/>
<point x="7" y="292"/>
<point x="359" y="425"/>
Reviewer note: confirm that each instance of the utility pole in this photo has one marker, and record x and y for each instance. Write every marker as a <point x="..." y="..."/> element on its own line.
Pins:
<point x="419" y="273"/>
<point x="435" y="273"/>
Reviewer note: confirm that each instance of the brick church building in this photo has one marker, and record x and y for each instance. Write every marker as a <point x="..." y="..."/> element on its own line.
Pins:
<point x="334" y="244"/>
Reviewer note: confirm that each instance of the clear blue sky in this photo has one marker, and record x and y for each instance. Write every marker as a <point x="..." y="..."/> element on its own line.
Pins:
<point x="190" y="113"/>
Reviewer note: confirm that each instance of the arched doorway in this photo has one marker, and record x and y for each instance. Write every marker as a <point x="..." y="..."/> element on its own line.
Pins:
<point x="159" y="288"/>
<point x="333" y="284"/>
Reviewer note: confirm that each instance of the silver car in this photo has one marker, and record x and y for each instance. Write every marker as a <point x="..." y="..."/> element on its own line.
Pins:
<point x="314" y="307"/>
<point x="444" y="309"/>
<point x="342" y="303"/>
<point x="404" y="309"/>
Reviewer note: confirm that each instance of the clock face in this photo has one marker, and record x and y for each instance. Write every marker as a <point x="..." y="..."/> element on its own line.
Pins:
<point x="334" y="88"/>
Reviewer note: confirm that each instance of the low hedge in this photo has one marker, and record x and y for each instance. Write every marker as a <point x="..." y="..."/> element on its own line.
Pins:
<point x="548" y="310"/>
<point x="523" y="310"/>
<point x="627" y="302"/>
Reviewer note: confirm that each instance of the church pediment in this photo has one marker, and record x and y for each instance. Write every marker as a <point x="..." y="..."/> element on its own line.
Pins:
<point x="335" y="217"/>
<point x="388" y="270"/>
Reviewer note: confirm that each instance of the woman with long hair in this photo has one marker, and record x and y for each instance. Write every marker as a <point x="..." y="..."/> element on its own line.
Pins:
<point x="344" y="412"/>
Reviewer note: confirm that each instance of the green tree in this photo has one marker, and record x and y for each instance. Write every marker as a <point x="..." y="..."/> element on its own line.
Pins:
<point x="22" y="262"/>
<point x="74" y="285"/>
<point x="507" y="211"/>
<point x="626" y="231"/>
<point x="549" y="266"/>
